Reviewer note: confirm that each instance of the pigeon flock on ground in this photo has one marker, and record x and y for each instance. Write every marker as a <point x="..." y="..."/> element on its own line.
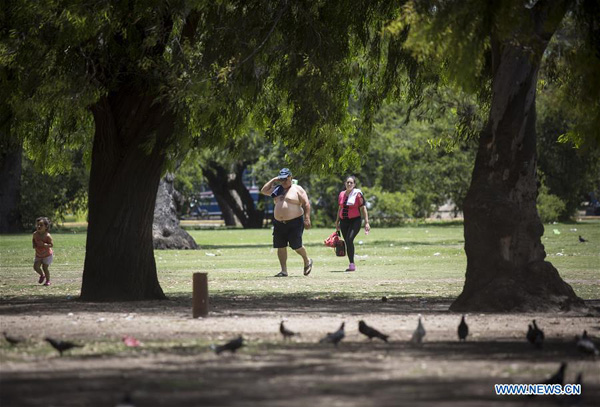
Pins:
<point x="534" y="335"/>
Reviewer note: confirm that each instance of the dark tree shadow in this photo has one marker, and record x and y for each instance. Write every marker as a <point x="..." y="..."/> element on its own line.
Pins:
<point x="277" y="373"/>
<point x="286" y="375"/>
<point x="231" y="301"/>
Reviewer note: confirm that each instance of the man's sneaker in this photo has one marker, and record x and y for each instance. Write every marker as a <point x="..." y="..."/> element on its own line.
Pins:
<point x="41" y="279"/>
<point x="351" y="267"/>
<point x="47" y="283"/>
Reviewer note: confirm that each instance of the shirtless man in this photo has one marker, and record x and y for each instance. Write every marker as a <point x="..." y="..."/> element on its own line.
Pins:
<point x="292" y="215"/>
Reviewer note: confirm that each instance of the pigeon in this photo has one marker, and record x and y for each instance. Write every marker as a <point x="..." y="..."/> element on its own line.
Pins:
<point x="582" y="240"/>
<point x="231" y="346"/>
<point x="366" y="330"/>
<point x="62" y="346"/>
<point x="463" y="329"/>
<point x="530" y="334"/>
<point x="12" y="340"/>
<point x="334" y="337"/>
<point x="286" y="333"/>
<point x="539" y="335"/>
<point x="419" y="333"/>
<point x="535" y="335"/>
<point x="556" y="378"/>
<point x="585" y="345"/>
<point x="559" y="376"/>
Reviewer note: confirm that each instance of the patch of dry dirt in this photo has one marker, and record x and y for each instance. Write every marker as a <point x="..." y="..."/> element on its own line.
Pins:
<point x="175" y="366"/>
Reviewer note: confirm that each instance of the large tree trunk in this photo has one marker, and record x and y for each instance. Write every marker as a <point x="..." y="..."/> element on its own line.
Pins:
<point x="132" y="131"/>
<point x="217" y="178"/>
<point x="245" y="208"/>
<point x="506" y="270"/>
<point x="11" y="160"/>
<point x="232" y="195"/>
<point x="226" y="212"/>
<point x="166" y="232"/>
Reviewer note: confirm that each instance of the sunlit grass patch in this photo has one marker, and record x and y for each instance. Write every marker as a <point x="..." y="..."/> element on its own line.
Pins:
<point x="425" y="260"/>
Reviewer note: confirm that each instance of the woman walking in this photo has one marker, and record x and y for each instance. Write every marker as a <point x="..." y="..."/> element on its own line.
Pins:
<point x="351" y="205"/>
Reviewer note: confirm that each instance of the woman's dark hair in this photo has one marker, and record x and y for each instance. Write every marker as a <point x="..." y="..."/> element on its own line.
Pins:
<point x="350" y="176"/>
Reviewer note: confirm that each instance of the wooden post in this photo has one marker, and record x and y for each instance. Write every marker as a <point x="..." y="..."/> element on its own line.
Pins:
<point x="200" y="295"/>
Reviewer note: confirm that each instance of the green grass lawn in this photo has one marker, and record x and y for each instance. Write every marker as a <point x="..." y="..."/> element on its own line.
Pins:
<point x="426" y="261"/>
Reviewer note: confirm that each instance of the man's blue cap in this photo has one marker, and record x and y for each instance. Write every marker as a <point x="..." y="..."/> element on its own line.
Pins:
<point x="284" y="173"/>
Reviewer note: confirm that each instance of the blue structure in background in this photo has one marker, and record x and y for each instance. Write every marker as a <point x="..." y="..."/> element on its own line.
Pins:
<point x="206" y="206"/>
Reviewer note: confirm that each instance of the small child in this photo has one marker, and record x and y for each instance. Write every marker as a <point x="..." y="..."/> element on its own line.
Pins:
<point x="42" y="243"/>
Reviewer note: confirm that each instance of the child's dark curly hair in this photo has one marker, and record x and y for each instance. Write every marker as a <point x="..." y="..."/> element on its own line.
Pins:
<point x="44" y="220"/>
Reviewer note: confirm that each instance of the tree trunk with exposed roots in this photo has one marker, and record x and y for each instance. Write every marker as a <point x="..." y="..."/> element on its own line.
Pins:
<point x="506" y="270"/>
<point x="166" y="232"/>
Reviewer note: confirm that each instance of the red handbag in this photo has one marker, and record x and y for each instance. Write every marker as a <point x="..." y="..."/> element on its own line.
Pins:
<point x="332" y="240"/>
<point x="338" y="244"/>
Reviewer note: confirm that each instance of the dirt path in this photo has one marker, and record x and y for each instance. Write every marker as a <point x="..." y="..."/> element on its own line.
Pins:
<point x="175" y="367"/>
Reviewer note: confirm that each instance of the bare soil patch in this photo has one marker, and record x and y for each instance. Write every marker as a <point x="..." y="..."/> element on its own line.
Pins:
<point x="175" y="366"/>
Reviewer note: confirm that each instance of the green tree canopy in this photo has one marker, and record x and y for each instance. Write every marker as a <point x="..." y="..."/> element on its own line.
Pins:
<point x="150" y="80"/>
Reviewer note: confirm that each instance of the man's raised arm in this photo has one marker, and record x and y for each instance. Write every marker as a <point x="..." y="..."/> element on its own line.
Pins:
<point x="268" y="188"/>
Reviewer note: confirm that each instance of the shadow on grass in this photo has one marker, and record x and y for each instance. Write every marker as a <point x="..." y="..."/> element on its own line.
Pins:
<point x="227" y="302"/>
<point x="232" y="302"/>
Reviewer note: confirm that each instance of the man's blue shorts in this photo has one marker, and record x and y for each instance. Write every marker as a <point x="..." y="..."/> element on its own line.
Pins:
<point x="288" y="231"/>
